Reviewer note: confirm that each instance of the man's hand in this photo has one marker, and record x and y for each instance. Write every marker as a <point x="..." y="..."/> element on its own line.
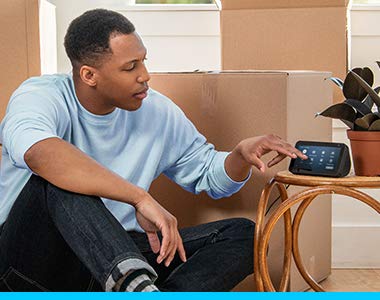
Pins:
<point x="152" y="217"/>
<point x="248" y="153"/>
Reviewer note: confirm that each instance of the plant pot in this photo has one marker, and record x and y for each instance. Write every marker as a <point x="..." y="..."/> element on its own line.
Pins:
<point x="365" y="149"/>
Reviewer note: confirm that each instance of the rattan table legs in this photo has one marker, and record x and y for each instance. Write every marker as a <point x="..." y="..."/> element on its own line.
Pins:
<point x="264" y="230"/>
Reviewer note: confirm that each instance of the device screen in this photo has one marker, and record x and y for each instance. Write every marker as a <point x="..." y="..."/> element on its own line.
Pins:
<point x="320" y="158"/>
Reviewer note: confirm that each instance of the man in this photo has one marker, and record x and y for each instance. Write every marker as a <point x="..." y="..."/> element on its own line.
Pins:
<point x="79" y="154"/>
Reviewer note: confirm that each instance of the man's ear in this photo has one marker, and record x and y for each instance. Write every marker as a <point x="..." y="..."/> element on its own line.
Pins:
<point x="88" y="75"/>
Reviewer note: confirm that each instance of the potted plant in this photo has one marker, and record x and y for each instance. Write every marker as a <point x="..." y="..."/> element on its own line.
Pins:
<point x="360" y="111"/>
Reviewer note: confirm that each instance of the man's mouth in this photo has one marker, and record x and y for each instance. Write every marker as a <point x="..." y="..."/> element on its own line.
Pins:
<point x="141" y="95"/>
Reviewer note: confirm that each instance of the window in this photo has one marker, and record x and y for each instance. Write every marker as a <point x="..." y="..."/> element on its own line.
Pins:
<point x="174" y="1"/>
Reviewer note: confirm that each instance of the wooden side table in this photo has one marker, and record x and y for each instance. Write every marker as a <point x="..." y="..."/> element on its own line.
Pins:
<point x="315" y="186"/>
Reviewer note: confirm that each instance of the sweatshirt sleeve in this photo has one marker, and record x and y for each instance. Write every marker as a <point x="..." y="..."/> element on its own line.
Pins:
<point x="30" y="118"/>
<point x="199" y="167"/>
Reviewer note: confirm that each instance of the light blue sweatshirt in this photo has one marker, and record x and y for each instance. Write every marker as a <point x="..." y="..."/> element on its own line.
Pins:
<point x="139" y="145"/>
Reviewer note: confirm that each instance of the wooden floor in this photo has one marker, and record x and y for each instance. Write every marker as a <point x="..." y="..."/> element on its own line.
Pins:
<point x="353" y="280"/>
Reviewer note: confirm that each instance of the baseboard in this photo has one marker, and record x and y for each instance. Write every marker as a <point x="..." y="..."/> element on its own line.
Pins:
<point x="356" y="247"/>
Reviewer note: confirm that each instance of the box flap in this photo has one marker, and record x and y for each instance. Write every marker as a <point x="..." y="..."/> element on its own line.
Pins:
<point x="272" y="4"/>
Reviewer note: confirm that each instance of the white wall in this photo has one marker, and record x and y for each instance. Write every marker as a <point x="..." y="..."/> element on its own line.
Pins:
<point x="182" y="39"/>
<point x="356" y="228"/>
<point x="48" y="37"/>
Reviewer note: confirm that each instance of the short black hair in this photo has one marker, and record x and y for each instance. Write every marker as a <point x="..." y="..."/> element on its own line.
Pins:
<point x="87" y="38"/>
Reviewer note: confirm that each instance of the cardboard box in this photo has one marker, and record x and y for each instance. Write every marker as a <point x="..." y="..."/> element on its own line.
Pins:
<point x="230" y="106"/>
<point x="285" y="35"/>
<point x="19" y="48"/>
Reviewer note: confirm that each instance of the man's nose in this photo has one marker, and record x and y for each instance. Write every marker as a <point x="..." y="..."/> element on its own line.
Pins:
<point x="144" y="76"/>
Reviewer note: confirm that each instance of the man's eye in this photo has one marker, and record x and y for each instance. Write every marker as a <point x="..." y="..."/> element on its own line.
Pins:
<point x="134" y="65"/>
<point x="130" y="68"/>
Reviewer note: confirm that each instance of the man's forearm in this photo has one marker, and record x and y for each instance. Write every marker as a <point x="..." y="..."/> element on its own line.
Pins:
<point x="67" y="167"/>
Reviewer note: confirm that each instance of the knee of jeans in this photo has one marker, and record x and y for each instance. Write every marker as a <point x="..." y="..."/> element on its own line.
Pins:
<point x="36" y="185"/>
<point x="246" y="229"/>
<point x="37" y="180"/>
<point x="57" y="197"/>
<point x="244" y="225"/>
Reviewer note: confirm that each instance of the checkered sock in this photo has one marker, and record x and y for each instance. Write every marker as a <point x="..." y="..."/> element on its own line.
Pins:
<point x="137" y="281"/>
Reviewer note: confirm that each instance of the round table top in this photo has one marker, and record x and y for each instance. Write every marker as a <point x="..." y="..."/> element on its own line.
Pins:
<point x="349" y="181"/>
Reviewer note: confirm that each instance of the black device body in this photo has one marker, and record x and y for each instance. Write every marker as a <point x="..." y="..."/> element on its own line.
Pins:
<point x="324" y="159"/>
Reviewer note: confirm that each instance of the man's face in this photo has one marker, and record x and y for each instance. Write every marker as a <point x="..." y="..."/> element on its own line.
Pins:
<point x="123" y="78"/>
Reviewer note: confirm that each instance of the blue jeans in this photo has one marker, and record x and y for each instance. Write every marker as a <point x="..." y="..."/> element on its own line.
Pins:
<point x="55" y="240"/>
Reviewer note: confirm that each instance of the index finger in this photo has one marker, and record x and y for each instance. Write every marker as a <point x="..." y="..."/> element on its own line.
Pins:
<point x="289" y="150"/>
<point x="181" y="249"/>
<point x="299" y="153"/>
<point x="164" y="245"/>
<point x="154" y="242"/>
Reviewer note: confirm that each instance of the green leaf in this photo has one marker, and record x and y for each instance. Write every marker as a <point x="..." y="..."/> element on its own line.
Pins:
<point x="352" y="89"/>
<point x="375" y="126"/>
<point x="366" y="121"/>
<point x="341" y="111"/>
<point x="375" y="97"/>
<point x="368" y="100"/>
<point x="339" y="82"/>
<point x="360" y="107"/>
